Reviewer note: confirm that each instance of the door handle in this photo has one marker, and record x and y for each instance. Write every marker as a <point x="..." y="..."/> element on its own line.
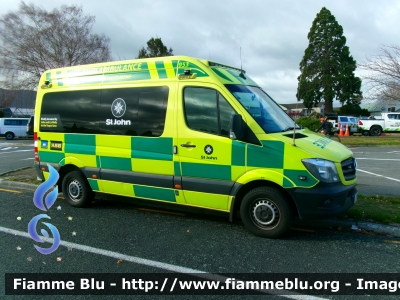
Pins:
<point x="188" y="145"/>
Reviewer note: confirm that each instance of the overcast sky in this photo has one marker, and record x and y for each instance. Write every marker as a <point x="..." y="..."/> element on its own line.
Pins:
<point x="272" y="35"/>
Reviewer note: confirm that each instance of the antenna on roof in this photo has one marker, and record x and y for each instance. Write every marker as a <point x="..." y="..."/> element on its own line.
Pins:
<point x="241" y="69"/>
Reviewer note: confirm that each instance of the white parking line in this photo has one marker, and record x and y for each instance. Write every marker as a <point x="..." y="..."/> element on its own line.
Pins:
<point x="16" y="151"/>
<point x="153" y="263"/>
<point x="378" y="175"/>
<point x="28" y="158"/>
<point x="8" y="148"/>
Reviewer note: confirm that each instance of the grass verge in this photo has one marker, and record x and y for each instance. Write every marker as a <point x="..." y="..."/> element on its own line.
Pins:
<point x="380" y="209"/>
<point x="360" y="140"/>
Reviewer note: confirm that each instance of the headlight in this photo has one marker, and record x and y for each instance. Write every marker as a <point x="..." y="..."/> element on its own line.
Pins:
<point x="323" y="170"/>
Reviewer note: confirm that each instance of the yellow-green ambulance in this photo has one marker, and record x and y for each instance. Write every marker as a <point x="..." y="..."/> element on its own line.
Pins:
<point x="191" y="132"/>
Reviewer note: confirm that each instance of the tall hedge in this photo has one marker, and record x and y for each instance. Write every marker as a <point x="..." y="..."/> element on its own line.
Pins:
<point x="310" y="123"/>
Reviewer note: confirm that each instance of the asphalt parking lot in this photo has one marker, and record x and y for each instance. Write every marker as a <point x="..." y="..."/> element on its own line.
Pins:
<point x="378" y="170"/>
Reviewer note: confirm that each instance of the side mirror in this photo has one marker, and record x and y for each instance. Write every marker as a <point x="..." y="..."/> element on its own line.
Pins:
<point x="236" y="127"/>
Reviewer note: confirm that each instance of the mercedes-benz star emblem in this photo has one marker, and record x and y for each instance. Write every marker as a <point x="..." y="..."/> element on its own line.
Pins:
<point x="118" y="107"/>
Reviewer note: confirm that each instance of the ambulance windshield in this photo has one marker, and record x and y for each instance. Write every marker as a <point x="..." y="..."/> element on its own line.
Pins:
<point x="265" y="111"/>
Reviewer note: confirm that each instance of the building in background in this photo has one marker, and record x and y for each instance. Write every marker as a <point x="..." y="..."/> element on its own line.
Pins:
<point x="17" y="103"/>
<point x="297" y="110"/>
<point x="376" y="108"/>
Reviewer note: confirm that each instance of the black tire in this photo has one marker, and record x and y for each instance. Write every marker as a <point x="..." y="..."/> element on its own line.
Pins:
<point x="265" y="212"/>
<point x="9" y="135"/>
<point x="375" y="131"/>
<point x="76" y="189"/>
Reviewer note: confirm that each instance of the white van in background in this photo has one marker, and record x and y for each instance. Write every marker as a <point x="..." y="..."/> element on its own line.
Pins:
<point x="13" y="127"/>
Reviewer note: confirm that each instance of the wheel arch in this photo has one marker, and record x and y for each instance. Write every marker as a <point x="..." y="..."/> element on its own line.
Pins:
<point x="244" y="189"/>
<point x="64" y="170"/>
<point x="8" y="132"/>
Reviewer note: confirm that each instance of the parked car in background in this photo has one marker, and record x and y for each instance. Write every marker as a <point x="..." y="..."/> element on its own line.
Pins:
<point x="344" y="121"/>
<point x="13" y="127"/>
<point x="351" y="122"/>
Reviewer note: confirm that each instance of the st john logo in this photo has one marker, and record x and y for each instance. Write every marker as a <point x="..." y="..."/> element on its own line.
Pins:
<point x="118" y="107"/>
<point x="208" y="149"/>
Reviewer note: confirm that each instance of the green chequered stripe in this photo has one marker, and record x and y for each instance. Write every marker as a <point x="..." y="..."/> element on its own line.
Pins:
<point x="80" y="143"/>
<point x="154" y="193"/>
<point x="98" y="161"/>
<point x="293" y="175"/>
<point x="177" y="168"/>
<point x="93" y="184"/>
<point x="116" y="163"/>
<point x="206" y="171"/>
<point x="271" y="155"/>
<point x="161" y="70"/>
<point x="51" y="157"/>
<point x="152" y="148"/>
<point x="238" y="153"/>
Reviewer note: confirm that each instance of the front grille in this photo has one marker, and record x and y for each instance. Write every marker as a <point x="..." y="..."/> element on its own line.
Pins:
<point x="349" y="168"/>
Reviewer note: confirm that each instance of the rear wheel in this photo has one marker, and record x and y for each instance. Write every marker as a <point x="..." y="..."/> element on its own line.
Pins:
<point x="9" y="135"/>
<point x="375" y="131"/>
<point x="265" y="212"/>
<point x="76" y="189"/>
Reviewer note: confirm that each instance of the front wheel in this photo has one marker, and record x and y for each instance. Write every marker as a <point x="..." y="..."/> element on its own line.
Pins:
<point x="266" y="213"/>
<point x="76" y="189"/>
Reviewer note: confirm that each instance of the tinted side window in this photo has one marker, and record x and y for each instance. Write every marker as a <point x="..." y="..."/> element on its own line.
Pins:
<point x="206" y="110"/>
<point x="152" y="111"/>
<point x="201" y="109"/>
<point x="71" y="112"/>
<point x="134" y="111"/>
<point x="11" y="122"/>
<point x="225" y="113"/>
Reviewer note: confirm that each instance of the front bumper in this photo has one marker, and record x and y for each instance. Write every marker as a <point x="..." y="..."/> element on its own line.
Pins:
<point x="323" y="200"/>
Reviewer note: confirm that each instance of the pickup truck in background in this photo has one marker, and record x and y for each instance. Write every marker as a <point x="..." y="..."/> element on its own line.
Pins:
<point x="390" y="122"/>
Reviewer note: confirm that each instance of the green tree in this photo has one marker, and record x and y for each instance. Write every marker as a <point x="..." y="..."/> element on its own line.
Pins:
<point x="354" y="110"/>
<point x="155" y="48"/>
<point x="327" y="68"/>
<point x="33" y="40"/>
